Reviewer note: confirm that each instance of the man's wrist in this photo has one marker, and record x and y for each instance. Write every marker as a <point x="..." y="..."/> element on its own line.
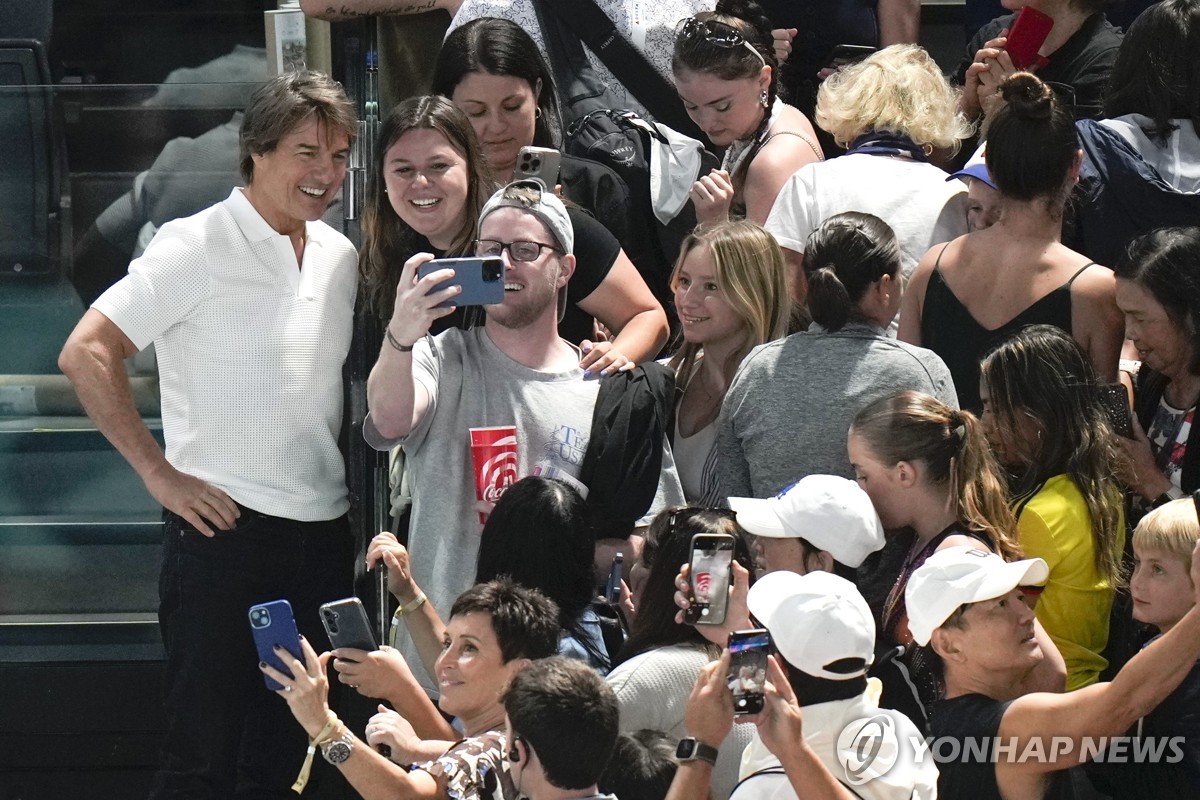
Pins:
<point x="396" y="343"/>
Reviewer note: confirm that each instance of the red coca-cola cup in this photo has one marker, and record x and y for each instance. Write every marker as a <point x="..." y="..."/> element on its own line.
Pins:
<point x="494" y="453"/>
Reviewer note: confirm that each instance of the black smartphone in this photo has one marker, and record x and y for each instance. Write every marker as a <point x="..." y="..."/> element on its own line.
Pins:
<point x="709" y="575"/>
<point x="612" y="589"/>
<point x="541" y="163"/>
<point x="347" y="624"/>
<point x="1115" y="399"/>
<point x="748" y="651"/>
<point x="845" y="54"/>
<point x="481" y="279"/>
<point x="273" y="624"/>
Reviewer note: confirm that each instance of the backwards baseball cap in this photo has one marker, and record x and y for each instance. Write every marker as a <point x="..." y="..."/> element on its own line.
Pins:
<point x="957" y="576"/>
<point x="546" y="207"/>
<point x="976" y="167"/>
<point x="831" y="512"/>
<point x="819" y="622"/>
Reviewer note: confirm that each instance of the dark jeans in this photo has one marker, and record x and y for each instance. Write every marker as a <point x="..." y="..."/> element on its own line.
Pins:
<point x="227" y="734"/>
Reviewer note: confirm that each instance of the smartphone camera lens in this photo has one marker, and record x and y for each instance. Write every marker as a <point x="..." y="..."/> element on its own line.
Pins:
<point x="331" y="618"/>
<point x="260" y="618"/>
<point x="492" y="269"/>
<point x="535" y="164"/>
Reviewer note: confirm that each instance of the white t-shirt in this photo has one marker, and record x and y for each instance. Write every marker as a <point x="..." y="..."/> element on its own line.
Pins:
<point x="913" y="197"/>
<point x="250" y="352"/>
<point x="649" y="26"/>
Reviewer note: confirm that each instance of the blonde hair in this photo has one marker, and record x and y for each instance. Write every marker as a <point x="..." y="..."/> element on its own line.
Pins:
<point x="1172" y="527"/>
<point x="900" y="90"/>
<point x="751" y="275"/>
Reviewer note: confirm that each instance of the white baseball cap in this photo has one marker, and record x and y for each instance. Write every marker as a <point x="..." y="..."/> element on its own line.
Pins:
<point x="831" y="512"/>
<point x="816" y="620"/>
<point x="957" y="576"/>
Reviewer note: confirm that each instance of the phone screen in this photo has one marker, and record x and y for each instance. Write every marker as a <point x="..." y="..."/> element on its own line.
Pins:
<point x="709" y="575"/>
<point x="748" y="651"/>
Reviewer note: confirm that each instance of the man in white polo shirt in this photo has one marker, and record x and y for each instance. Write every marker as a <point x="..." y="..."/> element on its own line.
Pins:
<point x="250" y="307"/>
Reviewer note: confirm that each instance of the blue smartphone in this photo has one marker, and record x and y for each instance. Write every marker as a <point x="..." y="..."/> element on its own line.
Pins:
<point x="273" y="624"/>
<point x="481" y="279"/>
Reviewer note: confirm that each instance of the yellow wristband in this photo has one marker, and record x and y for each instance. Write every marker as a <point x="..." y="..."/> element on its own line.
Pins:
<point x="306" y="768"/>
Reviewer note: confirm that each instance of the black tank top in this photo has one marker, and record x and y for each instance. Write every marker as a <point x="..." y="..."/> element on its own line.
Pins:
<point x="948" y="329"/>
<point x="968" y="771"/>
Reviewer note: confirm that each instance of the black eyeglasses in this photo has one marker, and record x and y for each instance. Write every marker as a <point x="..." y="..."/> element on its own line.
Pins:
<point x="718" y="34"/>
<point x="517" y="251"/>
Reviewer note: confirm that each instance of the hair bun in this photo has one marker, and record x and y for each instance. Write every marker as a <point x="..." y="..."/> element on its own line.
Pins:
<point x="749" y="11"/>
<point x="1028" y="96"/>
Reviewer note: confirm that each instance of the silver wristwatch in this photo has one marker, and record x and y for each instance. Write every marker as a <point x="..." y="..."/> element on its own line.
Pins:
<point x="338" y="750"/>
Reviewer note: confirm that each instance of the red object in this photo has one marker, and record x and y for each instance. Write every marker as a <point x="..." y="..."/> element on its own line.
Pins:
<point x="494" y="453"/>
<point x="1027" y="36"/>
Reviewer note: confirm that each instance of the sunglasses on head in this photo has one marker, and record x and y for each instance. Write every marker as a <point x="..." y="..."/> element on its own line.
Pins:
<point x="718" y="34"/>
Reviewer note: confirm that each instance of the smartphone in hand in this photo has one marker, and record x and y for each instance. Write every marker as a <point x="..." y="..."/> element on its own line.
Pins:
<point x="481" y="279"/>
<point x="1115" y="399"/>
<point x="273" y="624"/>
<point x="348" y="625"/>
<point x="539" y="163"/>
<point x="1027" y="36"/>
<point x="747" y="678"/>
<point x="612" y="589"/>
<point x="709" y="577"/>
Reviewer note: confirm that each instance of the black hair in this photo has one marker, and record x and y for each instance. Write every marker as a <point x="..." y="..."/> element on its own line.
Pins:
<point x="1031" y="141"/>
<point x="500" y="47"/>
<point x="641" y="768"/>
<point x="565" y="712"/>
<point x="525" y="621"/>
<point x="672" y="531"/>
<point x="842" y="258"/>
<point x="807" y="548"/>
<point x="1157" y="72"/>
<point x="696" y="54"/>
<point x="538" y="535"/>
<point x="1166" y="263"/>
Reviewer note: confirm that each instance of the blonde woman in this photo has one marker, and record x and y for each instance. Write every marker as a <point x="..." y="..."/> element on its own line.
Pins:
<point x="731" y="295"/>
<point x="892" y="111"/>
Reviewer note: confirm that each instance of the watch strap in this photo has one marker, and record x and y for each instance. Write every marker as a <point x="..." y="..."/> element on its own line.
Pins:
<point x="692" y="749"/>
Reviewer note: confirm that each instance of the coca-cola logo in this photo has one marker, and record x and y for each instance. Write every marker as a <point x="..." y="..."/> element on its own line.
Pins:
<point x="498" y="473"/>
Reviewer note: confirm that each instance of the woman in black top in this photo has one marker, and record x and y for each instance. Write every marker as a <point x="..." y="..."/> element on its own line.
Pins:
<point x="969" y="294"/>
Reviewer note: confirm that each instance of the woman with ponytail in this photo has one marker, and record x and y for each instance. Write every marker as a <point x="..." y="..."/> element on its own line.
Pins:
<point x="727" y="75"/>
<point x="1045" y="420"/>
<point x="786" y="414"/>
<point x="976" y="290"/>
<point x="929" y="471"/>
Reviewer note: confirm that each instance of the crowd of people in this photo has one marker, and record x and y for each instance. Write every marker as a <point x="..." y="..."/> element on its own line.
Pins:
<point x="938" y="409"/>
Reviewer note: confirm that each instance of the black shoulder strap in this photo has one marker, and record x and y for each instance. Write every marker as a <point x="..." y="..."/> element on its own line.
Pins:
<point x="779" y="771"/>
<point x="593" y="27"/>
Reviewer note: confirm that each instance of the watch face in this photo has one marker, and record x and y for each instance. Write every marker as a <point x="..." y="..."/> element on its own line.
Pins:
<point x="686" y="749"/>
<point x="337" y="752"/>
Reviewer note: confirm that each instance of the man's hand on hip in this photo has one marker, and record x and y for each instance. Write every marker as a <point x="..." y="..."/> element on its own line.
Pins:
<point x="193" y="499"/>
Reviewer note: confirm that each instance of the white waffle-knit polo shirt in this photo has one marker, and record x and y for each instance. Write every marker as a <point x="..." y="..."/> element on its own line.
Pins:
<point x="250" y="353"/>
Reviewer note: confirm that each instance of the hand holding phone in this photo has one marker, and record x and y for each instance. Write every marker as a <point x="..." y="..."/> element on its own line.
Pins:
<point x="273" y="624"/>
<point x="1027" y="36"/>
<point x="1115" y="399"/>
<point x="709" y="577"/>
<point x="481" y="279"/>
<point x="347" y="624"/>
<point x="747" y="678"/>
